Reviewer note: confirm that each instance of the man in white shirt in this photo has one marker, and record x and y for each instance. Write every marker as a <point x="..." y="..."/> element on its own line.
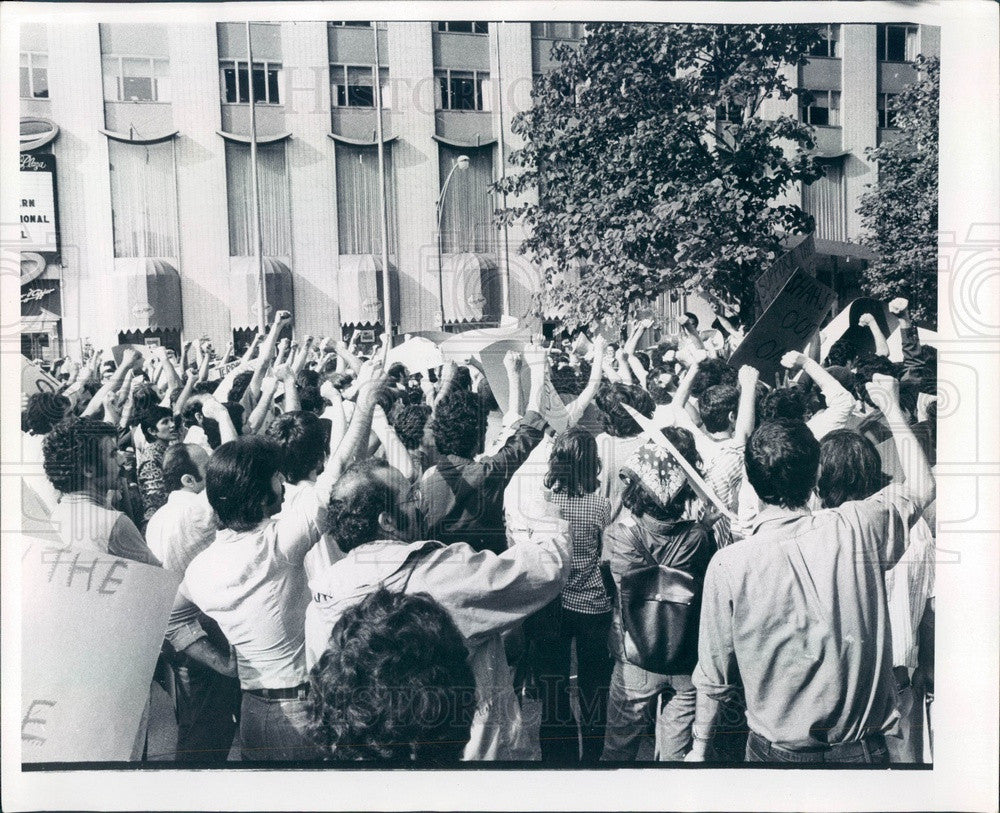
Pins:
<point x="206" y="691"/>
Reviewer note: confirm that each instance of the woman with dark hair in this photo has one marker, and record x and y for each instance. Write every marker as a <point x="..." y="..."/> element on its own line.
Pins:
<point x="394" y="683"/>
<point x="657" y="496"/>
<point x="583" y="609"/>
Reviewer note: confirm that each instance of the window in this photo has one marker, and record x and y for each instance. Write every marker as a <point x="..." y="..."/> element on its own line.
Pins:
<point x="729" y="111"/>
<point x="823" y="110"/>
<point x="359" y="217"/>
<point x="136" y="79"/>
<point x="354" y="86"/>
<point x="557" y="31"/>
<point x="464" y="27"/>
<point x="887" y="110"/>
<point x="143" y="199"/>
<point x="467" y="213"/>
<point x="34" y="75"/>
<point x="896" y="43"/>
<point x="272" y="184"/>
<point x="462" y="90"/>
<point x="829" y="44"/>
<point x="825" y="199"/>
<point x="267" y="80"/>
<point x="353" y="24"/>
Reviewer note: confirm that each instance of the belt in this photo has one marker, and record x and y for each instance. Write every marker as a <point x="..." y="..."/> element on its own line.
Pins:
<point x="831" y="753"/>
<point x="300" y="692"/>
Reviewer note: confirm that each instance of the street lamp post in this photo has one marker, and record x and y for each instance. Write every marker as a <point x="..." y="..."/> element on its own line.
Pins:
<point x="462" y="162"/>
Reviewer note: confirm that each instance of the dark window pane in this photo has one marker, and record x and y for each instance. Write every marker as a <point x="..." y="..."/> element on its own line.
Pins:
<point x="229" y="80"/>
<point x="272" y="86"/>
<point x="442" y="26"/>
<point x="341" y="96"/>
<point x="360" y="96"/>
<point x="896" y="44"/>
<point x="480" y="28"/>
<point x="880" y="44"/>
<point x="356" y="24"/>
<point x="462" y="27"/>
<point x="259" y="85"/>
<point x="137" y="88"/>
<point x="819" y="115"/>
<point x="463" y="94"/>
<point x="25" y="84"/>
<point x="445" y="101"/>
<point x="244" y="82"/>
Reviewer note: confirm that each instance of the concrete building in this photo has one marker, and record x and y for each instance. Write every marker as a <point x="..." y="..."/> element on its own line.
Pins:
<point x="144" y="132"/>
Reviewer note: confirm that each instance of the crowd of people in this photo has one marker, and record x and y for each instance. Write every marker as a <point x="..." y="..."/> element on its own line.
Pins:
<point x="690" y="563"/>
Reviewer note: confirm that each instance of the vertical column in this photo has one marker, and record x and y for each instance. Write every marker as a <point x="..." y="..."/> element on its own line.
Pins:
<point x="859" y="115"/>
<point x="84" y="184"/>
<point x="930" y="40"/>
<point x="773" y="108"/>
<point x="202" y="202"/>
<point x="310" y="162"/>
<point x="415" y="162"/>
<point x="513" y="78"/>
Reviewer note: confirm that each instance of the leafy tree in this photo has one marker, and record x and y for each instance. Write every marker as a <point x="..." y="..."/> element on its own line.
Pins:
<point x="900" y="214"/>
<point x="640" y="184"/>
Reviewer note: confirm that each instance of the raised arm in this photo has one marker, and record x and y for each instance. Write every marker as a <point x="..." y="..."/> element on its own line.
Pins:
<point x="281" y="319"/>
<point x="579" y="405"/>
<point x="746" y="412"/>
<point x="687" y="380"/>
<point x="881" y="346"/>
<point x="512" y="365"/>
<point x="211" y="408"/>
<point x="884" y="392"/>
<point x="258" y="417"/>
<point x="395" y="452"/>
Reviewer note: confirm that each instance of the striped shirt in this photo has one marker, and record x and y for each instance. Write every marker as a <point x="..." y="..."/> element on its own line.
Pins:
<point x="588" y="516"/>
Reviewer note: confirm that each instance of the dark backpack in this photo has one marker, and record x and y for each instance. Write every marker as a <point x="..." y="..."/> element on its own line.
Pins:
<point x="659" y="608"/>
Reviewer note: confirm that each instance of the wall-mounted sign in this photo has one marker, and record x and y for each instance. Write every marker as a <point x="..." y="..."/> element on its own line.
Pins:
<point x="39" y="214"/>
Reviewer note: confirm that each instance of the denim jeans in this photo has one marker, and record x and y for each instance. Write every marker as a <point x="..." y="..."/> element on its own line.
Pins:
<point x="558" y="729"/>
<point x="870" y="751"/>
<point x="275" y="729"/>
<point x="635" y="731"/>
<point x="208" y="705"/>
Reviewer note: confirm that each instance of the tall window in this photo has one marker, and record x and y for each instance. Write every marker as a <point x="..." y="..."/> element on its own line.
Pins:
<point x="462" y="90"/>
<point x="467" y="217"/>
<point x="354" y="86"/>
<point x="267" y="80"/>
<point x="829" y="44"/>
<point x="136" y="79"/>
<point x="464" y="27"/>
<point x="143" y="199"/>
<point x="359" y="218"/>
<point x="896" y="43"/>
<point x="824" y="109"/>
<point x="887" y="110"/>
<point x="34" y="75"/>
<point x="825" y="199"/>
<point x="273" y="194"/>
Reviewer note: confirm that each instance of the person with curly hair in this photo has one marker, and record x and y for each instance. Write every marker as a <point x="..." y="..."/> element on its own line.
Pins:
<point x="621" y="437"/>
<point x="44" y="410"/>
<point x="394" y="683"/>
<point x="462" y="494"/>
<point x="82" y="463"/>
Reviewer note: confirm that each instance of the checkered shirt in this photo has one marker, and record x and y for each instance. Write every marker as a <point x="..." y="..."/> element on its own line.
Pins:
<point x="587" y="516"/>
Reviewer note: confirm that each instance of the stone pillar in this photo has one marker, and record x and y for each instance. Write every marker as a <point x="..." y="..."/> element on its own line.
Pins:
<point x="202" y="202"/>
<point x="858" y="115"/>
<point x="309" y="159"/>
<point x="415" y="159"/>
<point x="83" y="184"/>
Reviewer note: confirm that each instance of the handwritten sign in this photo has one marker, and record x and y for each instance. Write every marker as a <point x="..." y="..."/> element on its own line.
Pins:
<point x="770" y="283"/>
<point x="92" y="629"/>
<point x="787" y="324"/>
<point x="35" y="379"/>
<point x="39" y="231"/>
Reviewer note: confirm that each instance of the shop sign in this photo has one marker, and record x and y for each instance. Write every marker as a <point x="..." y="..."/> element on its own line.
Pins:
<point x="38" y="212"/>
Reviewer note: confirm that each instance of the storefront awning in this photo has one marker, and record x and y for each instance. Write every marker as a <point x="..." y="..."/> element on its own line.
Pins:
<point x="152" y="294"/>
<point x="37" y="132"/>
<point x="359" y="286"/>
<point x="245" y="290"/>
<point x="467" y="280"/>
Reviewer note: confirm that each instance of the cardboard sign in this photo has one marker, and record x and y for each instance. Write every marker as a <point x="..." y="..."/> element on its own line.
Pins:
<point x="770" y="283"/>
<point x="93" y="625"/>
<point x="460" y="347"/>
<point x="35" y="379"/>
<point x="787" y="324"/>
<point x="417" y="354"/>
<point x="491" y="360"/>
<point x="145" y="353"/>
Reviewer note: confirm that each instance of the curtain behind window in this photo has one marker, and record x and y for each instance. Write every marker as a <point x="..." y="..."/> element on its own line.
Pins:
<point x="143" y="199"/>
<point x="359" y="221"/>
<point x="467" y="219"/>
<point x="273" y="191"/>
<point x="826" y="201"/>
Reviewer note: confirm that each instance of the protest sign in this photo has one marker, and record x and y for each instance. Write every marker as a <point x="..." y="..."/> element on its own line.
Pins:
<point x="118" y="352"/>
<point x="491" y="359"/>
<point x="787" y="324"/>
<point x="35" y="379"/>
<point x="697" y="303"/>
<point x="770" y="283"/>
<point x="845" y="325"/>
<point x="417" y="354"/>
<point x="460" y="347"/>
<point x="92" y="628"/>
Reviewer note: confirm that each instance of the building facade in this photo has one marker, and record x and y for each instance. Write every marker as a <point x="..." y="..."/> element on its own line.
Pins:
<point x="145" y="133"/>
